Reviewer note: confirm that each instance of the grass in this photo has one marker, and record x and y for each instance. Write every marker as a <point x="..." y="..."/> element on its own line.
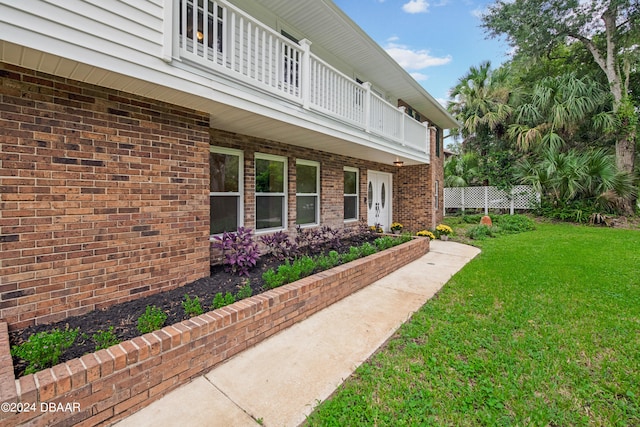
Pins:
<point x="542" y="328"/>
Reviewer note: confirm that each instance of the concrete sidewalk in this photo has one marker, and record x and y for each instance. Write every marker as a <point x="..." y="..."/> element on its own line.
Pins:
<point x="279" y="381"/>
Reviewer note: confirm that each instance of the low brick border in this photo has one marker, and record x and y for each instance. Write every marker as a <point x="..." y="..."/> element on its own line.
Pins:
<point x="106" y="386"/>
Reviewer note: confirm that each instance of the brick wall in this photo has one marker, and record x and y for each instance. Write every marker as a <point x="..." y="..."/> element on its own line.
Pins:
<point x="103" y="197"/>
<point x="109" y="385"/>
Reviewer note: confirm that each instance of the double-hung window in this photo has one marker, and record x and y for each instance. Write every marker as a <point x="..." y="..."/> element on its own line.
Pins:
<point x="350" y="194"/>
<point x="307" y="192"/>
<point x="271" y="196"/>
<point x="226" y="189"/>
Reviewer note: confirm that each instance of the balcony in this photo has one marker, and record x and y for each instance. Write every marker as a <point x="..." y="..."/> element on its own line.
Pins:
<point x="234" y="44"/>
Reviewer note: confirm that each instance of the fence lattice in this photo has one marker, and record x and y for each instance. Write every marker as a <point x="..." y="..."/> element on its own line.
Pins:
<point x="520" y="197"/>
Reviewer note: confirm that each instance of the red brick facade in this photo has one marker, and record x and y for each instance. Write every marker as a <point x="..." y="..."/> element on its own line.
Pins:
<point x="103" y="197"/>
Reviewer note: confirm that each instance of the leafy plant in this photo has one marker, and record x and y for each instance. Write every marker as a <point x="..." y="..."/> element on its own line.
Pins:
<point x="105" y="339"/>
<point x="239" y="249"/>
<point x="43" y="350"/>
<point x="279" y="245"/>
<point x="152" y="319"/>
<point x="354" y="253"/>
<point x="384" y="242"/>
<point x="289" y="272"/>
<point x="220" y="300"/>
<point x="244" y="292"/>
<point x="514" y="223"/>
<point x="482" y="231"/>
<point x="192" y="306"/>
<point x="325" y="262"/>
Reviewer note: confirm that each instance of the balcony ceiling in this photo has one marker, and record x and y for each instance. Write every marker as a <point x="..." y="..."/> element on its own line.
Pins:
<point x="324" y="23"/>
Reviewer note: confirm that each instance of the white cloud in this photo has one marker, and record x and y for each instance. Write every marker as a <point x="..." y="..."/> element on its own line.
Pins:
<point x="416" y="6"/>
<point x="419" y="77"/>
<point x="414" y="59"/>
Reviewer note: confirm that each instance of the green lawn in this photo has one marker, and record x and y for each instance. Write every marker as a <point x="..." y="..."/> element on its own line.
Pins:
<point x="542" y="328"/>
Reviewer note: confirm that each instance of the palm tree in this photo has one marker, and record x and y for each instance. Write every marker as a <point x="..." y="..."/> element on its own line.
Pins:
<point x="589" y="178"/>
<point x="557" y="109"/>
<point x="481" y="102"/>
<point x="461" y="170"/>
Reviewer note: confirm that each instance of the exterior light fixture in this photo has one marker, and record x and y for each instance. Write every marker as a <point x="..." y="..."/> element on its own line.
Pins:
<point x="398" y="163"/>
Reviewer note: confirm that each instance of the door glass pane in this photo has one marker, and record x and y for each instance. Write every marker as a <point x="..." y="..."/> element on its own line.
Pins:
<point x="370" y="195"/>
<point x="223" y="213"/>
<point x="306" y="179"/>
<point x="269" y="212"/>
<point x="306" y="210"/>
<point x="225" y="172"/>
<point x="382" y="195"/>
<point x="269" y="176"/>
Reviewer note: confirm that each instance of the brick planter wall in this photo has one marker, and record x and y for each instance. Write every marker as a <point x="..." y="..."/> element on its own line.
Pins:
<point x="108" y="385"/>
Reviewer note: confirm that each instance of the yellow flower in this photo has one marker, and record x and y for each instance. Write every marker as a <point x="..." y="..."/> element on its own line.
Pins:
<point x="444" y="229"/>
<point x="396" y="226"/>
<point x="426" y="233"/>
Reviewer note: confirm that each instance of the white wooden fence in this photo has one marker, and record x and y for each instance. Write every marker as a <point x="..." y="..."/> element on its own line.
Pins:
<point x="520" y="197"/>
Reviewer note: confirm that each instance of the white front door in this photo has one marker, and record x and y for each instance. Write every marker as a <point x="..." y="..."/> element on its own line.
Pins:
<point x="379" y="199"/>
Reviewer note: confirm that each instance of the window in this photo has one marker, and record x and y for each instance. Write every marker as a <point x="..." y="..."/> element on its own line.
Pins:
<point x="437" y="195"/>
<point x="188" y="18"/>
<point x="271" y="184"/>
<point x="225" y="197"/>
<point x="350" y="194"/>
<point x="438" y="140"/>
<point x="307" y="192"/>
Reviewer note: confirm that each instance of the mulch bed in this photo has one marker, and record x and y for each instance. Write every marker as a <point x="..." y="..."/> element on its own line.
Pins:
<point x="123" y="317"/>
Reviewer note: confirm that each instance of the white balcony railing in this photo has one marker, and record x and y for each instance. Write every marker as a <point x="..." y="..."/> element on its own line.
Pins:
<point x="234" y="43"/>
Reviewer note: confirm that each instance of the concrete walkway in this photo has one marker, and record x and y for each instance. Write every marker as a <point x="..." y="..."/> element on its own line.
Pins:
<point x="279" y="381"/>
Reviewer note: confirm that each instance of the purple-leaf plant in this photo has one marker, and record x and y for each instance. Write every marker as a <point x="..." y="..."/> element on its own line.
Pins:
<point x="239" y="249"/>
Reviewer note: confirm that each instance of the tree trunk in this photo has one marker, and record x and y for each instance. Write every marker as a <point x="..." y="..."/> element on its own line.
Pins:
<point x="625" y="158"/>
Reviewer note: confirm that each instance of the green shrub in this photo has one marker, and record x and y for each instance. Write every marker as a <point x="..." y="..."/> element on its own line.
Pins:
<point x="368" y="249"/>
<point x="355" y="252"/>
<point x="325" y="262"/>
<point x="192" y="306"/>
<point x="152" y="319"/>
<point x="272" y="279"/>
<point x="514" y="223"/>
<point x="244" y="292"/>
<point x="43" y="350"/>
<point x="482" y="231"/>
<point x="384" y="242"/>
<point x="105" y="339"/>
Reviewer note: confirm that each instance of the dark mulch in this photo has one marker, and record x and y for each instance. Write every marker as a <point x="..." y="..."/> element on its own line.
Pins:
<point x="123" y="317"/>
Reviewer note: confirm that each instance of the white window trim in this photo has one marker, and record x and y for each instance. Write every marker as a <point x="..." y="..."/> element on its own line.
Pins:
<point x="240" y="192"/>
<point x="285" y="185"/>
<point x="357" y="193"/>
<point x="317" y="193"/>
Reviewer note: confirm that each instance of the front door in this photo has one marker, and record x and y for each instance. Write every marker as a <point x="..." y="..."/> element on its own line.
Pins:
<point x="379" y="199"/>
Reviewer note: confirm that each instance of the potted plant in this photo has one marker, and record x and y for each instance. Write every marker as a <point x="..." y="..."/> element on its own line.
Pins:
<point x="376" y="228"/>
<point x="396" y="228"/>
<point x="426" y="233"/>
<point x="444" y="231"/>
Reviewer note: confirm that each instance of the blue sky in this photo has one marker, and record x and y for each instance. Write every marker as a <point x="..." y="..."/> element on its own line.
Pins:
<point x="434" y="40"/>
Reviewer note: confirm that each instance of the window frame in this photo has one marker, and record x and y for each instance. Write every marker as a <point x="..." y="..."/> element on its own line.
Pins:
<point x="316" y="194"/>
<point x="285" y="187"/>
<point x="239" y="193"/>
<point x="356" y="194"/>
